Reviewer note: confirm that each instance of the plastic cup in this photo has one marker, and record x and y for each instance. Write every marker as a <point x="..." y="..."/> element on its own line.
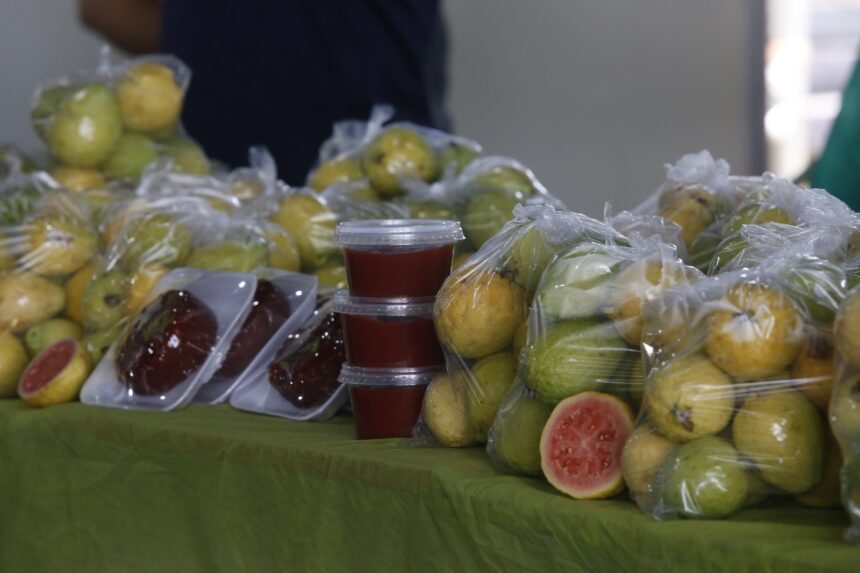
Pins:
<point x="397" y="257"/>
<point x="386" y="402"/>
<point x="388" y="333"/>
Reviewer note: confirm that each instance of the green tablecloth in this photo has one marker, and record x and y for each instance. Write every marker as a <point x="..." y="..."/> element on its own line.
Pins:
<point x="213" y="489"/>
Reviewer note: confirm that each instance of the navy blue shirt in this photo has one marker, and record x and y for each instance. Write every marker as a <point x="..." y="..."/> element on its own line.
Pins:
<point x="280" y="72"/>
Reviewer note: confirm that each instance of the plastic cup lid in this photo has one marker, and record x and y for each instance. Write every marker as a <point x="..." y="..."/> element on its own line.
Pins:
<point x="366" y="306"/>
<point x="397" y="232"/>
<point x="358" y="376"/>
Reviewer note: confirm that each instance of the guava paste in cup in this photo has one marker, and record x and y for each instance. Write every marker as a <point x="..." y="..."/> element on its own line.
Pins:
<point x="388" y="333"/>
<point x="386" y="403"/>
<point x="397" y="258"/>
<point x="169" y="341"/>
<point x="269" y="310"/>
<point x="306" y="370"/>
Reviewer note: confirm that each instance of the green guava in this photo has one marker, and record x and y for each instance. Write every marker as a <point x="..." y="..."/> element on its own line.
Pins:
<point x="782" y="433"/>
<point x="58" y="246"/>
<point x="156" y="239"/>
<point x="106" y="299"/>
<point x="577" y="284"/>
<point x="458" y="154"/>
<point x="45" y="106"/>
<point x="504" y="178"/>
<point x="845" y="410"/>
<point x="239" y="256"/>
<point x="26" y="299"/>
<point x="492" y="377"/>
<point x="395" y="154"/>
<point x="756" y="214"/>
<point x="42" y="335"/>
<point x="332" y="277"/>
<point x="187" y="156"/>
<point x="704" y="478"/>
<point x="514" y="438"/>
<point x="690" y="397"/>
<point x="817" y="284"/>
<point x="99" y="342"/>
<point x="312" y="225"/>
<point x="131" y="155"/>
<point x="338" y="170"/>
<point x="572" y="357"/>
<point x="528" y="258"/>
<point x="485" y="215"/>
<point x="431" y="210"/>
<point x="703" y="249"/>
<point x="86" y="126"/>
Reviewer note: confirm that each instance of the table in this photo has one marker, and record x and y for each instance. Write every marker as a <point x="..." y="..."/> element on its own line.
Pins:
<point x="213" y="489"/>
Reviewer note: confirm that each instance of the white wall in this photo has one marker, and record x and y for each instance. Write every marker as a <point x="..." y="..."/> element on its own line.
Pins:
<point x="594" y="96"/>
<point x="597" y="96"/>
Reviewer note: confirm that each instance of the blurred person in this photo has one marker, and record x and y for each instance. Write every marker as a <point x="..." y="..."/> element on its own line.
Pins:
<point x="280" y="73"/>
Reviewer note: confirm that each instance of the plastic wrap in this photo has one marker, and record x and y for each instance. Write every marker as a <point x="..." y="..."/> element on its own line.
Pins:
<point x="738" y="372"/>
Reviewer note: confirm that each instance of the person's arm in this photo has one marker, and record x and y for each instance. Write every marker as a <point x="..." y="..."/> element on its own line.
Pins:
<point x="133" y="25"/>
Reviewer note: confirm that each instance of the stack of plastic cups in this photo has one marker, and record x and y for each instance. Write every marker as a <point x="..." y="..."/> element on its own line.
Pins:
<point x="394" y="269"/>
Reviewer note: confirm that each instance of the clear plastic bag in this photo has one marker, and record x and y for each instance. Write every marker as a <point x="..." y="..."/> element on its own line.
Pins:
<point x="111" y="122"/>
<point x="480" y="317"/>
<point x="737" y="379"/>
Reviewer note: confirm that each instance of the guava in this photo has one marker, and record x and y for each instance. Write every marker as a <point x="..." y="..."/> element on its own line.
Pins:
<point x="756" y="214"/>
<point x="156" y="239"/>
<point x="514" y="437"/>
<point x="812" y="371"/>
<point x="56" y="375"/>
<point x="150" y="98"/>
<point x="187" y="156"/>
<point x="504" y="178"/>
<point x="521" y="338"/>
<point x="333" y="277"/>
<point x="142" y="283"/>
<point x="18" y="201"/>
<point x="827" y="493"/>
<point x="702" y="250"/>
<point x="755" y="332"/>
<point x="458" y="154"/>
<point x="57" y="247"/>
<point x="817" y="285"/>
<point x="478" y="311"/>
<point x="845" y="410"/>
<point x="577" y="283"/>
<point x="757" y="489"/>
<point x="46" y="105"/>
<point x="13" y="361"/>
<point x="395" y="154"/>
<point x="690" y="397"/>
<point x="283" y="251"/>
<point x="26" y="298"/>
<point x="75" y="287"/>
<point x="490" y="381"/>
<point x="239" y="256"/>
<point x="485" y="215"/>
<point x="99" y="342"/>
<point x="581" y="445"/>
<point x="782" y="433"/>
<point x="335" y="171"/>
<point x="643" y="456"/>
<point x="131" y="155"/>
<point x="78" y="179"/>
<point x="571" y="357"/>
<point x="105" y="301"/>
<point x="728" y="252"/>
<point x="86" y="127"/>
<point x="44" y="334"/>
<point x="847" y="329"/>
<point x="704" y="478"/>
<point x="444" y="412"/>
<point x="312" y="225"/>
<point x="635" y="285"/>
<point x="692" y="208"/>
<point x="431" y="210"/>
<point x="99" y="200"/>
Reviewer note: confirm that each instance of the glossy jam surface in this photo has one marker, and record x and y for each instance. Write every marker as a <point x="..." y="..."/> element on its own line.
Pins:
<point x="391" y="341"/>
<point x="168" y="342"/>
<point x="398" y="272"/>
<point x="269" y="310"/>
<point x="306" y="372"/>
<point x="385" y="411"/>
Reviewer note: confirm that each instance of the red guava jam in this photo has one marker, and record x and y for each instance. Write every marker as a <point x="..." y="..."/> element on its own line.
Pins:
<point x="306" y="372"/>
<point x="169" y="341"/>
<point x="398" y="271"/>
<point x="385" y="411"/>
<point x="391" y="341"/>
<point x="269" y="310"/>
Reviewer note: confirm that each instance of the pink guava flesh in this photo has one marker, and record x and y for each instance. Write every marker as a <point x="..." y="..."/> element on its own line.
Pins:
<point x="47" y="365"/>
<point x="582" y="443"/>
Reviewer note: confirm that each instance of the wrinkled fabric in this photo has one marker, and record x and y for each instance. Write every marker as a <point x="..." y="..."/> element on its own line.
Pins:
<point x="213" y="489"/>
